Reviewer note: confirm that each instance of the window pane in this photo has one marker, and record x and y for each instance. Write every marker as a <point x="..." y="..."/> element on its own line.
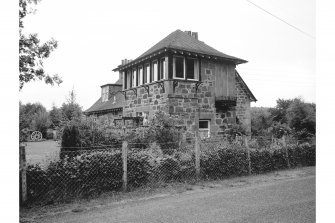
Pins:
<point x="155" y="70"/>
<point x="162" y="69"/>
<point x="141" y="76"/>
<point x="148" y="73"/>
<point x="190" y="69"/>
<point x="203" y="124"/>
<point x="179" y="65"/>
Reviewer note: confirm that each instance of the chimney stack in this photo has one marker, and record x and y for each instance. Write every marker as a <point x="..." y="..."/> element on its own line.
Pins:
<point x="195" y="35"/>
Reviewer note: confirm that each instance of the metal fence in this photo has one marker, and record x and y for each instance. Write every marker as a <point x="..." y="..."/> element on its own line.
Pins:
<point x="85" y="172"/>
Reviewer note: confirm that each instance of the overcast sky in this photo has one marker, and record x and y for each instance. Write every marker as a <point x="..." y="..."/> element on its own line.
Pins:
<point x="94" y="36"/>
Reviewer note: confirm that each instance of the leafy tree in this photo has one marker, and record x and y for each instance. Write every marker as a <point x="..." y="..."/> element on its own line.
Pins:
<point x="261" y="120"/>
<point x="41" y="122"/>
<point x="32" y="52"/>
<point x="301" y="118"/>
<point x="33" y="117"/>
<point x="55" y="116"/>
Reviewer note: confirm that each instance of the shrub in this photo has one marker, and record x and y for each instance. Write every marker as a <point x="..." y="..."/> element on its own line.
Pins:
<point x="37" y="183"/>
<point x="224" y="162"/>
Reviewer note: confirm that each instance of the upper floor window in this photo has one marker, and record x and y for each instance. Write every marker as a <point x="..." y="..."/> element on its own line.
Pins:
<point x="104" y="94"/>
<point x="147" y="73"/>
<point x="178" y="67"/>
<point x="129" y="80"/>
<point x="155" y="70"/>
<point x="191" y="68"/>
<point x="134" y="78"/>
<point x="162" y="68"/>
<point x="140" y="75"/>
<point x="185" y="68"/>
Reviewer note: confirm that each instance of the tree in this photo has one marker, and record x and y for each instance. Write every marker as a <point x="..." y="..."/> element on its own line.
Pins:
<point x="33" y="117"/>
<point x="71" y="109"/>
<point x="301" y="118"/>
<point x="261" y="120"/>
<point x="32" y="52"/>
<point x="55" y="116"/>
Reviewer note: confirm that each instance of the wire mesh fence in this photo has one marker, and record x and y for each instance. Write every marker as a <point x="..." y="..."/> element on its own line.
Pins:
<point x="84" y="172"/>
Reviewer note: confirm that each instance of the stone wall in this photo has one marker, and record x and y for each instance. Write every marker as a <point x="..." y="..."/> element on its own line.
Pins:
<point x="243" y="106"/>
<point x="181" y="98"/>
<point x="156" y="100"/>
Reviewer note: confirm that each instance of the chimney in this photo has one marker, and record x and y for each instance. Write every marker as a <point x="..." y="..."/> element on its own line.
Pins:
<point x="188" y="33"/>
<point x="195" y="35"/>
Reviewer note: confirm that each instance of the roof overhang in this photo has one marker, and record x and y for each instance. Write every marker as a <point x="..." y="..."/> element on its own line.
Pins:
<point x="236" y="61"/>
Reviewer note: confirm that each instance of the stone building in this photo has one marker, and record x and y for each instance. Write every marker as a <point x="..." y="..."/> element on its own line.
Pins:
<point x="182" y="76"/>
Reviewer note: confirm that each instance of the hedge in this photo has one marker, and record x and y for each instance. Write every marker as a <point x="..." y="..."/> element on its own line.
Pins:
<point x="94" y="172"/>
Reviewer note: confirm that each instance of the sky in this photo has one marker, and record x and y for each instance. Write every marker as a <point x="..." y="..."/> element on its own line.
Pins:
<point x="93" y="38"/>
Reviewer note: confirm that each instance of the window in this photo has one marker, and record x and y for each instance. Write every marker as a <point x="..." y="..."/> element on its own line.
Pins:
<point x="147" y="73"/>
<point x="191" y="68"/>
<point x="185" y="67"/>
<point x="134" y="78"/>
<point x="140" y="74"/>
<point x="162" y="72"/>
<point x="155" y="70"/>
<point x="129" y="79"/>
<point x="204" y="129"/>
<point x="104" y="94"/>
<point x="178" y="67"/>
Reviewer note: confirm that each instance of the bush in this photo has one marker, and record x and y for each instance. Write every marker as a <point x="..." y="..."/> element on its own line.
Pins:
<point x="224" y="162"/>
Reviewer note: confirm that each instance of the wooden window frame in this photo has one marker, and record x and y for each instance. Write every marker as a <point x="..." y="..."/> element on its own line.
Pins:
<point x="174" y="68"/>
<point x="141" y="78"/>
<point x="196" y="68"/>
<point x="155" y="77"/>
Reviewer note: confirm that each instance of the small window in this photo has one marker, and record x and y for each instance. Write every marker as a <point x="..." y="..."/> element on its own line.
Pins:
<point x="204" y="129"/>
<point x="140" y="74"/>
<point x="134" y="78"/>
<point x="104" y="94"/>
<point x="155" y="70"/>
<point x="178" y="67"/>
<point x="162" y="72"/>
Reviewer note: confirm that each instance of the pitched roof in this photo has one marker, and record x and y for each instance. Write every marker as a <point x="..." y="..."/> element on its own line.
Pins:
<point x="100" y="107"/>
<point x="180" y="40"/>
<point x="245" y="86"/>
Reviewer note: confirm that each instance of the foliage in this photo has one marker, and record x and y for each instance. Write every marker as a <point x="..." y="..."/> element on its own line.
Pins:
<point x="93" y="172"/>
<point x="292" y="115"/>
<point x="32" y="52"/>
<point x="260" y="120"/>
<point x="32" y="117"/>
<point x="41" y="122"/>
<point x="71" y="110"/>
<point x="55" y="116"/>
<point x="162" y="129"/>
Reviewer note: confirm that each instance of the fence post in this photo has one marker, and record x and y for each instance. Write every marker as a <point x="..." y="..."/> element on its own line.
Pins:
<point x="197" y="157"/>
<point x="124" y="162"/>
<point x="248" y="154"/>
<point x="23" y="176"/>
<point x="286" y="151"/>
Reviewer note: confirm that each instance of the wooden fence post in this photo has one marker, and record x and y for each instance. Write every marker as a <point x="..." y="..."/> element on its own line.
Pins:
<point x="23" y="176"/>
<point x="197" y="157"/>
<point x="248" y="154"/>
<point x="124" y="162"/>
<point x="286" y="151"/>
